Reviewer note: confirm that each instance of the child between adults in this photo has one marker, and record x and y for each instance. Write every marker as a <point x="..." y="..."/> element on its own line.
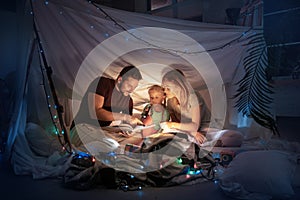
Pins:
<point x="155" y="111"/>
<point x="152" y="115"/>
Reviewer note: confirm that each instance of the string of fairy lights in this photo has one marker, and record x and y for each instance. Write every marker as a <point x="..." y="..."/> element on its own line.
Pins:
<point x="53" y="117"/>
<point x="56" y="118"/>
<point x="238" y="39"/>
<point x="61" y="132"/>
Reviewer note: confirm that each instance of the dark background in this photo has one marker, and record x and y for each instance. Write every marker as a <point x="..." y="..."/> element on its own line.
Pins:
<point x="282" y="26"/>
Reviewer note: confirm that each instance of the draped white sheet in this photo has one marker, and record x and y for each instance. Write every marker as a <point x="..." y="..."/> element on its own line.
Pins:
<point x="81" y="42"/>
<point x="77" y="35"/>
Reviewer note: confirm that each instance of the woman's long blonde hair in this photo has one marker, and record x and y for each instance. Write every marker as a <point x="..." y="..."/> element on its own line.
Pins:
<point x="177" y="77"/>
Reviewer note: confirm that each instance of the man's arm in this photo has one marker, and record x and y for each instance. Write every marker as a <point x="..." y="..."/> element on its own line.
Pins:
<point x="97" y="111"/>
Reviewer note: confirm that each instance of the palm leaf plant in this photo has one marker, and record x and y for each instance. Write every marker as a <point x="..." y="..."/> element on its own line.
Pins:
<point x="254" y="91"/>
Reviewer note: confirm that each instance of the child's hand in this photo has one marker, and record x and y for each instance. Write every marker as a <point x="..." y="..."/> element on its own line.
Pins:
<point x="148" y="121"/>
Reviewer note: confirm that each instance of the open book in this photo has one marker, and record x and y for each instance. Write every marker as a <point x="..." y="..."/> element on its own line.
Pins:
<point x="117" y="126"/>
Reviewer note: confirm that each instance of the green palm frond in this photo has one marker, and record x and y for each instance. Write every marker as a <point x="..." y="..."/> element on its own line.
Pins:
<point x="254" y="91"/>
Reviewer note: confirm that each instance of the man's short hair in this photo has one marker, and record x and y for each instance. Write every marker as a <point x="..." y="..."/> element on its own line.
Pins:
<point x="130" y="71"/>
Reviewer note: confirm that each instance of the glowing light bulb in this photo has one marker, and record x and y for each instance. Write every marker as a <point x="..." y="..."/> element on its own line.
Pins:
<point x="179" y="160"/>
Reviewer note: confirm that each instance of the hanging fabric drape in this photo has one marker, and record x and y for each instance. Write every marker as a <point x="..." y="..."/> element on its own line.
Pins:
<point x="82" y="40"/>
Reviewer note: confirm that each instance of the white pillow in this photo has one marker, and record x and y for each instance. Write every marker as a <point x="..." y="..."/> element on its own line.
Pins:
<point x="260" y="175"/>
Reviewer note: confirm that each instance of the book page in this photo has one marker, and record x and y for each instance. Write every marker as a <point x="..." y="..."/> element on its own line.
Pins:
<point x="117" y="127"/>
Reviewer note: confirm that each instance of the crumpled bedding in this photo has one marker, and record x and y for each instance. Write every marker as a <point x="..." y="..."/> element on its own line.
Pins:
<point x="35" y="153"/>
<point x="49" y="161"/>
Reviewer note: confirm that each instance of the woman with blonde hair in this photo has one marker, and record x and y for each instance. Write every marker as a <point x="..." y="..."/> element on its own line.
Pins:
<point x="190" y="114"/>
<point x="183" y="105"/>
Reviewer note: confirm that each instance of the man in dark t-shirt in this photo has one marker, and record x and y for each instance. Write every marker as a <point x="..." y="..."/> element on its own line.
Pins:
<point x="107" y="100"/>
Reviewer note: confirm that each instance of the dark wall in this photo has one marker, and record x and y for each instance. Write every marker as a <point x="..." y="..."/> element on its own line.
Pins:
<point x="8" y="5"/>
<point x="282" y="20"/>
<point x="282" y="26"/>
<point x="128" y="5"/>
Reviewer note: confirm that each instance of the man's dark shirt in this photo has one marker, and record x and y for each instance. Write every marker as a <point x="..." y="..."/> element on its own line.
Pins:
<point x="114" y="101"/>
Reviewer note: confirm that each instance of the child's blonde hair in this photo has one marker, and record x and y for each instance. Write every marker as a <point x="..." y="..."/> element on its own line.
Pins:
<point x="158" y="88"/>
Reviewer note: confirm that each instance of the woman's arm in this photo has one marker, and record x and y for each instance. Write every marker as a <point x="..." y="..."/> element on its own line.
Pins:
<point x="191" y="127"/>
<point x="188" y="126"/>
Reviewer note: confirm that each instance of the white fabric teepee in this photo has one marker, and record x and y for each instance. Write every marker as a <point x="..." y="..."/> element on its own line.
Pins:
<point x="81" y="40"/>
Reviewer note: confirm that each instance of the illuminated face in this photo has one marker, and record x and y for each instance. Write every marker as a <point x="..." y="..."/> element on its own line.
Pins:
<point x="128" y="85"/>
<point x="156" y="97"/>
<point x="170" y="88"/>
